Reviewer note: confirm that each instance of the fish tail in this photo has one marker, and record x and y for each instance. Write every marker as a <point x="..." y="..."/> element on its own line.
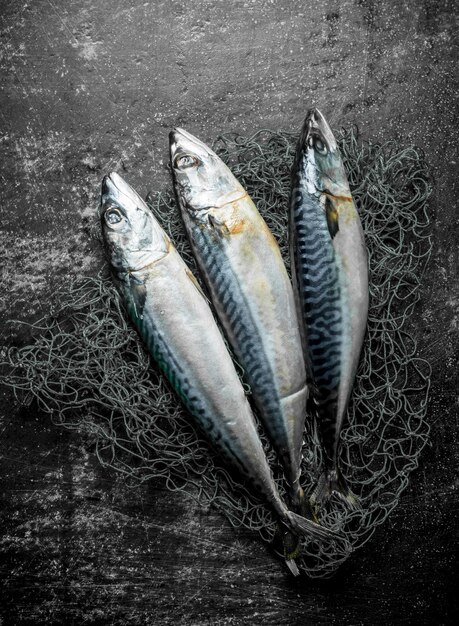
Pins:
<point x="301" y="520"/>
<point x="294" y="527"/>
<point x="295" y="496"/>
<point x="330" y="482"/>
<point x="300" y="504"/>
<point x="304" y="527"/>
<point x="298" y="526"/>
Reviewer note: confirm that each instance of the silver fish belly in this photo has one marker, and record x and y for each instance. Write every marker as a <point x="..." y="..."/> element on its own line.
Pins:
<point x="330" y="274"/>
<point x="250" y="289"/>
<point x="177" y="326"/>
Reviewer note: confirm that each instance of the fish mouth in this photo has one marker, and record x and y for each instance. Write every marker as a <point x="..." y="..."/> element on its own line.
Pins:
<point x="181" y="140"/>
<point x="116" y="192"/>
<point x="115" y="188"/>
<point x="106" y="194"/>
<point x="105" y="185"/>
<point x="113" y="182"/>
<point x="110" y="192"/>
<point x="173" y="142"/>
<point x="315" y="125"/>
<point x="315" y="117"/>
<point x="177" y="132"/>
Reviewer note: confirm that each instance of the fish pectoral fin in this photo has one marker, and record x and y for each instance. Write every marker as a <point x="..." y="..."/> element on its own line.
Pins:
<point x="332" y="215"/>
<point x="220" y="227"/>
<point x="193" y="279"/>
<point x="138" y="293"/>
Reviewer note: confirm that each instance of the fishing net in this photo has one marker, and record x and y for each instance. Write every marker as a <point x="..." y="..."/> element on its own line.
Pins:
<point x="88" y="369"/>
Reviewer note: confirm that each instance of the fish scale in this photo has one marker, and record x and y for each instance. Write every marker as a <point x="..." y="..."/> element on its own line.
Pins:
<point x="168" y="364"/>
<point x="330" y="273"/>
<point x="250" y="289"/>
<point x="175" y="322"/>
<point x="190" y="396"/>
<point x="244" y="332"/>
<point x="247" y="341"/>
<point x="319" y="292"/>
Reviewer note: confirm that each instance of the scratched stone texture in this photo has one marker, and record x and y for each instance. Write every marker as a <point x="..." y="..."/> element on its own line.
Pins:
<point x="90" y="86"/>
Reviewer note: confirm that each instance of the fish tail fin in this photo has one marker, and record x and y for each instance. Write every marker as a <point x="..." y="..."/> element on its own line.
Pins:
<point x="306" y="510"/>
<point x="296" y="526"/>
<point x="304" y="527"/>
<point x="332" y="482"/>
<point x="301" y="505"/>
<point x="291" y="547"/>
<point x="296" y="497"/>
<point x="301" y="520"/>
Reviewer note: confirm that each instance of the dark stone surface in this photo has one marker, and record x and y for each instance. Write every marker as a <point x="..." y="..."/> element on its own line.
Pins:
<point x="87" y="87"/>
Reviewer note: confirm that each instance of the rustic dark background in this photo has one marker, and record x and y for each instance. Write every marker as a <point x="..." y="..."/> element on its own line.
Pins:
<point x="89" y="86"/>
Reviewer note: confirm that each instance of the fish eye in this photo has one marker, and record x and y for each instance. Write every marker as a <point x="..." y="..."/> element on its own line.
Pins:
<point x="185" y="161"/>
<point x="320" y="146"/>
<point x="113" y="216"/>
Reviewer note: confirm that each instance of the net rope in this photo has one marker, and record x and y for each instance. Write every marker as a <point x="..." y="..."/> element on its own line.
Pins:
<point x="86" y="366"/>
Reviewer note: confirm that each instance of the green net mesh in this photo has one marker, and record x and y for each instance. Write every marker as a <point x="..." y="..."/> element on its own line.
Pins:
<point x="87" y="366"/>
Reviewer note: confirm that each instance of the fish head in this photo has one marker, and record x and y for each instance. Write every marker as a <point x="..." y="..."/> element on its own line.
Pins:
<point x="319" y="158"/>
<point x="201" y="179"/>
<point x="133" y="238"/>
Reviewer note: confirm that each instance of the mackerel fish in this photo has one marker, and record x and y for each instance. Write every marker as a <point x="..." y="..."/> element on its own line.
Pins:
<point x="176" y="324"/>
<point x="330" y="274"/>
<point x="251" y="291"/>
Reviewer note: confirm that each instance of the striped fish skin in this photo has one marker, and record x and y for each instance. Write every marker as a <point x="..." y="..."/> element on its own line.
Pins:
<point x="177" y="325"/>
<point x="330" y="275"/>
<point x="250" y="289"/>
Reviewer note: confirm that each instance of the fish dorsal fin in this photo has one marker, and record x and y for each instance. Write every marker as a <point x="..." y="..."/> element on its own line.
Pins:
<point x="332" y="215"/>
<point x="138" y="293"/>
<point x="193" y="279"/>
